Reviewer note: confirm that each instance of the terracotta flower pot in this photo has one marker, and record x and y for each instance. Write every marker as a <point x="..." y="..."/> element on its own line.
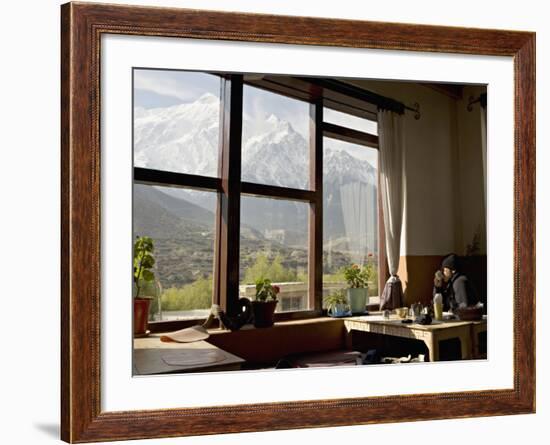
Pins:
<point x="263" y="313"/>
<point x="141" y="315"/>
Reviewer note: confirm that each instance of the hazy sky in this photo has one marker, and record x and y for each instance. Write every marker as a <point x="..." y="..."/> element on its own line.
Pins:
<point x="164" y="88"/>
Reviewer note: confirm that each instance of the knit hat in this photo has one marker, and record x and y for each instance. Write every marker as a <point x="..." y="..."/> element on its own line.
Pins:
<point x="451" y="261"/>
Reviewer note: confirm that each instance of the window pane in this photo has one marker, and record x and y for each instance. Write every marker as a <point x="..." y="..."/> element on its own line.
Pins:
<point x="350" y="121"/>
<point x="350" y="216"/>
<point x="176" y="121"/>
<point x="275" y="139"/>
<point x="183" y="236"/>
<point x="274" y="245"/>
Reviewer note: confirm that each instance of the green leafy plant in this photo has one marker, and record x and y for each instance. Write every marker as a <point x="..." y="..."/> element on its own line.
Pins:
<point x="264" y="267"/>
<point x="336" y="298"/>
<point x="143" y="262"/>
<point x="265" y="290"/>
<point x="357" y="276"/>
<point x="196" y="295"/>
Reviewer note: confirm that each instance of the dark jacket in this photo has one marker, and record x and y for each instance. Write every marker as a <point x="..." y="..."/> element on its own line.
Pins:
<point x="458" y="291"/>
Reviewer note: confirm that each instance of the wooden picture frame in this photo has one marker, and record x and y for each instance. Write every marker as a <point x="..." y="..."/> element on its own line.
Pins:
<point x="82" y="26"/>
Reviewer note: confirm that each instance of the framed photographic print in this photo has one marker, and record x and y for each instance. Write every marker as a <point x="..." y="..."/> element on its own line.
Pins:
<point x="276" y="222"/>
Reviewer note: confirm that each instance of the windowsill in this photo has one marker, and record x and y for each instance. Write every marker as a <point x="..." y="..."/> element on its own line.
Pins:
<point x="282" y="319"/>
<point x="174" y="325"/>
<point x="279" y="325"/>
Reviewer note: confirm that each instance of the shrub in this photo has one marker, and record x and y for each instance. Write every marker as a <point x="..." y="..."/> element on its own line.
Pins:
<point x="263" y="268"/>
<point x="196" y="295"/>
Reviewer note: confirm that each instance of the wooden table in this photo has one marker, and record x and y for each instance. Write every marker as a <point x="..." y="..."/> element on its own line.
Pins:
<point x="151" y="356"/>
<point x="431" y="334"/>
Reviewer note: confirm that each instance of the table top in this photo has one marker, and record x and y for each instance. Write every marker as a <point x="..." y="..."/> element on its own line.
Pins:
<point x="151" y="356"/>
<point x="395" y="321"/>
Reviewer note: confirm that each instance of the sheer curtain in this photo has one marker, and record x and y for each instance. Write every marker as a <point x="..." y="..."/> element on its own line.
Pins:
<point x="358" y="209"/>
<point x="392" y="192"/>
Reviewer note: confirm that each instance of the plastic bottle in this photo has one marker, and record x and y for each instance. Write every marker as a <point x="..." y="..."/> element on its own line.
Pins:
<point x="438" y="306"/>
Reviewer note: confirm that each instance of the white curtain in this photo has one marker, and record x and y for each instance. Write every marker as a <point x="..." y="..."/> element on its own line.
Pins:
<point x="358" y="208"/>
<point x="392" y="182"/>
<point x="392" y="193"/>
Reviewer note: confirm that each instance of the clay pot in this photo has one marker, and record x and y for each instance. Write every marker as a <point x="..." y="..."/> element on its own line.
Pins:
<point x="141" y="315"/>
<point x="263" y="313"/>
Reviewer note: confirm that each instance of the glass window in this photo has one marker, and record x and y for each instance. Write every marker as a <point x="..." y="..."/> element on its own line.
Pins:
<point x="275" y="139"/>
<point x="274" y="245"/>
<point x="350" y="212"/>
<point x="176" y="121"/>
<point x="350" y="121"/>
<point x="183" y="234"/>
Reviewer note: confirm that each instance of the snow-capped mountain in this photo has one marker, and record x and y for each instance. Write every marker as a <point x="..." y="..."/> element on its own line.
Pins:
<point x="184" y="138"/>
<point x="278" y="156"/>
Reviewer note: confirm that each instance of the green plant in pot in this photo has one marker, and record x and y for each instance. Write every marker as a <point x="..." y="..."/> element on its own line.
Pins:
<point x="144" y="277"/>
<point x="358" y="278"/>
<point x="337" y="304"/>
<point x="263" y="307"/>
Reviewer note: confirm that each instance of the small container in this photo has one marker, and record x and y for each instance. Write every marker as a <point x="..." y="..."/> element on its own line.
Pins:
<point x="438" y="306"/>
<point x="416" y="309"/>
<point x="402" y="312"/>
<point x="386" y="314"/>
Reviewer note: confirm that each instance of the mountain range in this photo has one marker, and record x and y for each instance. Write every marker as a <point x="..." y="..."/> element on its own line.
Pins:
<point x="184" y="138"/>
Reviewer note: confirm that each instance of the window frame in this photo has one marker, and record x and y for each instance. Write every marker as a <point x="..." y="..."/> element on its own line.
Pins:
<point x="229" y="187"/>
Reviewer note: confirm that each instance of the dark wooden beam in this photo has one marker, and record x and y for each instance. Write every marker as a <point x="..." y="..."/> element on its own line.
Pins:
<point x="284" y="86"/>
<point x="171" y="179"/>
<point x="316" y="208"/>
<point x="349" y="135"/>
<point x="176" y="325"/>
<point x="304" y="89"/>
<point x="355" y="92"/>
<point x="273" y="191"/>
<point x="448" y="89"/>
<point x="229" y="203"/>
<point x="350" y="107"/>
<point x="297" y="315"/>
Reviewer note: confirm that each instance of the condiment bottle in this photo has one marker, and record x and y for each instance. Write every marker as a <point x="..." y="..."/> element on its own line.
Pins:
<point x="438" y="306"/>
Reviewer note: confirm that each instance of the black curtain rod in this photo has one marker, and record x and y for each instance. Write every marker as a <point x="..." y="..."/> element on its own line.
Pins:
<point x="386" y="103"/>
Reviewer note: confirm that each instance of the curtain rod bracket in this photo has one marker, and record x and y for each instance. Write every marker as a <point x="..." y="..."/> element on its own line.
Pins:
<point x="482" y="99"/>
<point x="416" y="108"/>
<point x="471" y="102"/>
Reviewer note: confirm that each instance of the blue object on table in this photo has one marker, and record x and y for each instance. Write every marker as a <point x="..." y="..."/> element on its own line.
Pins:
<point x="339" y="310"/>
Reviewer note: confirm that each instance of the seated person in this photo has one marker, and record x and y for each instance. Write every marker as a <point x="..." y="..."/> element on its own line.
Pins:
<point x="455" y="288"/>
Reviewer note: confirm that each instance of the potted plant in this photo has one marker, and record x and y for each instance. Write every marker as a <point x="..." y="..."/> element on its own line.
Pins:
<point x="263" y="307"/>
<point x="337" y="304"/>
<point x="143" y="277"/>
<point x="358" y="279"/>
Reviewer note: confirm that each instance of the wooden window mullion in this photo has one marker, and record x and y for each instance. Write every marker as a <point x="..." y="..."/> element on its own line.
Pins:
<point x="316" y="207"/>
<point x="229" y="208"/>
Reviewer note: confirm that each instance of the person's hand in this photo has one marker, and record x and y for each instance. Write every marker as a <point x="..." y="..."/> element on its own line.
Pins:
<point x="439" y="279"/>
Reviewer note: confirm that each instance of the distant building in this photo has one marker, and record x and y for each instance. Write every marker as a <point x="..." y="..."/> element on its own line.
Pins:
<point x="275" y="235"/>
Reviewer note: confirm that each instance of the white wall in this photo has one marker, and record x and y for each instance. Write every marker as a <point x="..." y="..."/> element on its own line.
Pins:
<point x="444" y="178"/>
<point x="30" y="220"/>
<point x="469" y="153"/>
